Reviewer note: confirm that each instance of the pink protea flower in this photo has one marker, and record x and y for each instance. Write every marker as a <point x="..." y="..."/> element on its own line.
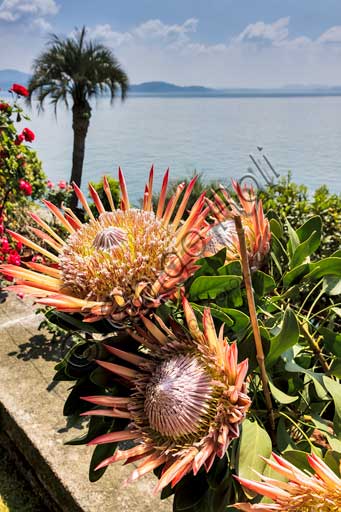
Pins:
<point x="120" y="264"/>
<point x="187" y="398"/>
<point x="256" y="225"/>
<point x="300" y="493"/>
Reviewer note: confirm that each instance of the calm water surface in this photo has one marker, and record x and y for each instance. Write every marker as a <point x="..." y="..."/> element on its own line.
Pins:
<point x="212" y="135"/>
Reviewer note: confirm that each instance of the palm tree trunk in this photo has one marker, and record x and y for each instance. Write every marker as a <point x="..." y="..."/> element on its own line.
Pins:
<point x="80" y="125"/>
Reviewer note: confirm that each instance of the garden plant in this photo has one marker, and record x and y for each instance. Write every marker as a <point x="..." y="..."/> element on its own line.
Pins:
<point x="206" y="339"/>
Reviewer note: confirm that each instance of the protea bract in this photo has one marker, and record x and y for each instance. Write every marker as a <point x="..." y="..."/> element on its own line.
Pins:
<point x="301" y="492"/>
<point x="256" y="225"/>
<point x="120" y="263"/>
<point x="187" y="398"/>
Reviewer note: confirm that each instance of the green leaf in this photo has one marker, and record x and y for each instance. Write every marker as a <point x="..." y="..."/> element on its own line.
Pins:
<point x="286" y="338"/>
<point x="280" y="396"/>
<point x="208" y="287"/>
<point x="331" y="341"/>
<point x="332" y="285"/>
<point x="262" y="283"/>
<point x="305" y="231"/>
<point x="317" y="378"/>
<point x="240" y="319"/>
<point x="334" y="389"/>
<point x="276" y="228"/>
<point x="284" y="441"/>
<point x="298" y="459"/>
<point x="254" y="442"/>
<point x="296" y="273"/>
<point x="209" y="266"/>
<point x="233" y="268"/>
<point x="326" y="267"/>
<point x="332" y="459"/>
<point x="305" y="249"/>
<point x="101" y="452"/>
<point x="335" y="368"/>
<point x="294" y="240"/>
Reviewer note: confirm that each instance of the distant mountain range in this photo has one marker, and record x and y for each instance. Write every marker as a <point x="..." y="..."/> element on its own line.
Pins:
<point x="10" y="76"/>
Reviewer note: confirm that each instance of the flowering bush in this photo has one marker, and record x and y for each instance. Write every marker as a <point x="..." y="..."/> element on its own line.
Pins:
<point x="21" y="177"/>
<point x="59" y="194"/>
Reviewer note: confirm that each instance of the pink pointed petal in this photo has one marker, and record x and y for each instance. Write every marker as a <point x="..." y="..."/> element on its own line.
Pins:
<point x="155" y="331"/>
<point x="264" y="489"/>
<point x="114" y="437"/>
<point x="163" y="193"/>
<point x="128" y="373"/>
<point x="172" y="204"/>
<point x="184" y="202"/>
<point x="47" y="239"/>
<point x="324" y="472"/>
<point x="124" y="192"/>
<point x="175" y="468"/>
<point x="96" y="199"/>
<point x="191" y="320"/>
<point x="32" y="245"/>
<point x="83" y="200"/>
<point x="107" y="191"/>
<point x="76" y="222"/>
<point x="125" y="454"/>
<point x="150" y="189"/>
<point x="114" y="413"/>
<point x="149" y="464"/>
<point x="28" y="290"/>
<point x="58" y="214"/>
<point x="126" y="356"/>
<point x="107" y="401"/>
<point x="47" y="228"/>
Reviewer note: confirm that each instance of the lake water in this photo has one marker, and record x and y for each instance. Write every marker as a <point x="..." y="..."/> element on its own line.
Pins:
<point x="214" y="136"/>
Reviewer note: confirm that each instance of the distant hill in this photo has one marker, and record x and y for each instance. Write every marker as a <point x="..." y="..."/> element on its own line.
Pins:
<point x="12" y="76"/>
<point x="167" y="88"/>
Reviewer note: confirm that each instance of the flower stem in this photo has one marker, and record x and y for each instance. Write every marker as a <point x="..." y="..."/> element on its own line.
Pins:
<point x="254" y="323"/>
<point x="314" y="346"/>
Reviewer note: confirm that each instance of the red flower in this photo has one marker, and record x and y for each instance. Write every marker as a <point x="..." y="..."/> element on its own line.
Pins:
<point x="20" y="90"/>
<point x="5" y="107"/>
<point x="49" y="184"/>
<point x="25" y="187"/>
<point x="28" y="135"/>
<point x="62" y="184"/>
<point x="20" y="138"/>
<point x="19" y="246"/>
<point x="14" y="258"/>
<point x="5" y="247"/>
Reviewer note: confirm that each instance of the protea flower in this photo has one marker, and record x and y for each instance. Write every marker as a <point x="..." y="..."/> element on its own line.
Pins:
<point x="187" y="398"/>
<point x="256" y="225"/>
<point x="120" y="264"/>
<point x="301" y="492"/>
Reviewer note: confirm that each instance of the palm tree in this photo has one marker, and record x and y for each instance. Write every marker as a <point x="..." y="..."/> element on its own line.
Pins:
<point x="76" y="69"/>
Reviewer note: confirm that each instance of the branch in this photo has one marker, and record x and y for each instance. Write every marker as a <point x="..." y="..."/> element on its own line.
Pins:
<point x="254" y="322"/>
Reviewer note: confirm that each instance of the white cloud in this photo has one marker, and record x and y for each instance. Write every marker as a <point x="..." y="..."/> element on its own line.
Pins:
<point x="14" y="10"/>
<point x="105" y="34"/>
<point x="41" y="24"/>
<point x="153" y="31"/>
<point x="275" y="32"/>
<point x="332" y="35"/>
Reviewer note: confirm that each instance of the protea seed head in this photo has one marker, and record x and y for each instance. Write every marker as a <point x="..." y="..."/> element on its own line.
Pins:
<point x="188" y="397"/>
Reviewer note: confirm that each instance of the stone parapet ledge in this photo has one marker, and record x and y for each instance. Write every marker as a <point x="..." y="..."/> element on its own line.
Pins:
<point x="31" y="420"/>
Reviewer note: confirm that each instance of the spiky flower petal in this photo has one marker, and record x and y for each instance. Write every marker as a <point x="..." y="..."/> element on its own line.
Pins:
<point x="120" y="264"/>
<point x="187" y="398"/>
<point x="256" y="225"/>
<point x="319" y="492"/>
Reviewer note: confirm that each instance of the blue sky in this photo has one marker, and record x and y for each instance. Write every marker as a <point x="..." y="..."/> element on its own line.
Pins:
<point x="222" y="43"/>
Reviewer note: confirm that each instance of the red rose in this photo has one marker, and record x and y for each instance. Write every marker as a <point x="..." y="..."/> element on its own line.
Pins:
<point x="5" y="107"/>
<point x="28" y="134"/>
<point x="5" y="247"/>
<point x="20" y="138"/>
<point x="49" y="184"/>
<point x="62" y="184"/>
<point x="14" y="258"/>
<point x="25" y="187"/>
<point x="20" y="90"/>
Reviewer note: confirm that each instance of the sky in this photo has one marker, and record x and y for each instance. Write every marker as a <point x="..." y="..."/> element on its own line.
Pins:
<point x="216" y="43"/>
